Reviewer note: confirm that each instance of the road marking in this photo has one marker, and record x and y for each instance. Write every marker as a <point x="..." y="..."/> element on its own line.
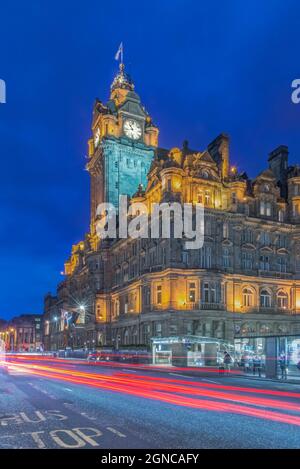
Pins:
<point x="130" y="371"/>
<point x="36" y="438"/>
<point x="113" y="430"/>
<point x="79" y="443"/>
<point x="88" y="437"/>
<point x="37" y="413"/>
<point x="210" y="381"/>
<point x="43" y="391"/>
<point x="68" y="389"/>
<point x="87" y="416"/>
<point x="182" y="376"/>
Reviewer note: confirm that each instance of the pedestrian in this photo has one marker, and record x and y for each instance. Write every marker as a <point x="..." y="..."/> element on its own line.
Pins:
<point x="243" y="362"/>
<point x="257" y="365"/>
<point x="283" y="366"/>
<point x="227" y="362"/>
<point x="247" y="365"/>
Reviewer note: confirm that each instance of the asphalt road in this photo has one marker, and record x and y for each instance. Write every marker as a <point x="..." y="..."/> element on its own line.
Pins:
<point x="68" y="405"/>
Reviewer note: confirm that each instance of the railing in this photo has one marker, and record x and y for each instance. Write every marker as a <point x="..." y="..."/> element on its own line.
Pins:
<point x="264" y="310"/>
<point x="214" y="306"/>
<point x="274" y="274"/>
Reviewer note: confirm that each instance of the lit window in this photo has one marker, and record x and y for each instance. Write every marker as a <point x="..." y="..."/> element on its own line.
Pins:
<point x="207" y="198"/>
<point x="248" y="297"/>
<point x="265" y="299"/>
<point x="159" y="294"/>
<point x="192" y="292"/>
<point x="282" y="300"/>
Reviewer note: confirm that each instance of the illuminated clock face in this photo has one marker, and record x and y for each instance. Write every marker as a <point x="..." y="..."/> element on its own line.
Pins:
<point x="97" y="137"/>
<point x="132" y="129"/>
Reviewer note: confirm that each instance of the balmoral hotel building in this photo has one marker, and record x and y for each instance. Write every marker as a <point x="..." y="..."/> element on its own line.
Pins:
<point x="240" y="289"/>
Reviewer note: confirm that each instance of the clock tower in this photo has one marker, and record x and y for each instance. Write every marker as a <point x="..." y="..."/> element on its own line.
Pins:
<point x="122" y="145"/>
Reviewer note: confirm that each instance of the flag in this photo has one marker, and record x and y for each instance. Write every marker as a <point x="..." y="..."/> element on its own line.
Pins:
<point x="119" y="52"/>
<point x="65" y="317"/>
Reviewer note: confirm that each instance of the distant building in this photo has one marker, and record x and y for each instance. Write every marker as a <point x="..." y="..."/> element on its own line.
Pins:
<point x="23" y="333"/>
<point x="244" y="284"/>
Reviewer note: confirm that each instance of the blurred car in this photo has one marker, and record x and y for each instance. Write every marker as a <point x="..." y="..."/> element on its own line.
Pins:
<point x="97" y="357"/>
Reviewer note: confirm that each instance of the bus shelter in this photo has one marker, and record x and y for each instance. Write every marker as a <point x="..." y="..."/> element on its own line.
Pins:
<point x="189" y="350"/>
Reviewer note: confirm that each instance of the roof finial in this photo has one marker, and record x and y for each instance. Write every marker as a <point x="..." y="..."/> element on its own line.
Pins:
<point x="122" y="79"/>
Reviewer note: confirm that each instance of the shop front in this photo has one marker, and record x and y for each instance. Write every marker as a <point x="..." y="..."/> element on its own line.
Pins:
<point x="273" y="353"/>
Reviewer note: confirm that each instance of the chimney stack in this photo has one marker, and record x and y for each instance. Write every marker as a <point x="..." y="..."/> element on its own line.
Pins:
<point x="278" y="163"/>
<point x="219" y="151"/>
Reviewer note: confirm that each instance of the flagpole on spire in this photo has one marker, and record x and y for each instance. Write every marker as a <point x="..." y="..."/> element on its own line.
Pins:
<point x="119" y="54"/>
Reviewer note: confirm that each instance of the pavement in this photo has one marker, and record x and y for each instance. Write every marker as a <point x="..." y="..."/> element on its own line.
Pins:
<point x="57" y="404"/>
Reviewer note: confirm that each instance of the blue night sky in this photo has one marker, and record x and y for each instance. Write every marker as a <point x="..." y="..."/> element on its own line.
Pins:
<point x="201" y="68"/>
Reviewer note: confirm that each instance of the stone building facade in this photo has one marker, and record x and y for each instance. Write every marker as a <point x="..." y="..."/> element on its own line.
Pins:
<point x="244" y="281"/>
<point x="22" y="333"/>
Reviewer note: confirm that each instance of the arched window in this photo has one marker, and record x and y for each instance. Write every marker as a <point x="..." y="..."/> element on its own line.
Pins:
<point x="265" y="299"/>
<point x="248" y="297"/>
<point x="282" y="300"/>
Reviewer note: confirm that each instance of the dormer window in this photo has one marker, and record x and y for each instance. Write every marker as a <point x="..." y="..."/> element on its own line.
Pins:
<point x="205" y="174"/>
<point x="281" y="215"/>
<point x="266" y="188"/>
<point x="265" y="208"/>
<point x="295" y="210"/>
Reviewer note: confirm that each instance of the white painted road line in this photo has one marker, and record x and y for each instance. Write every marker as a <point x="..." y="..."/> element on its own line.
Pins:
<point x="113" y="430"/>
<point x="182" y="376"/>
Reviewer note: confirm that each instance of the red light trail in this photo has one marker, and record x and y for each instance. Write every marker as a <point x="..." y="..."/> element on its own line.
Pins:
<point x="196" y="395"/>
